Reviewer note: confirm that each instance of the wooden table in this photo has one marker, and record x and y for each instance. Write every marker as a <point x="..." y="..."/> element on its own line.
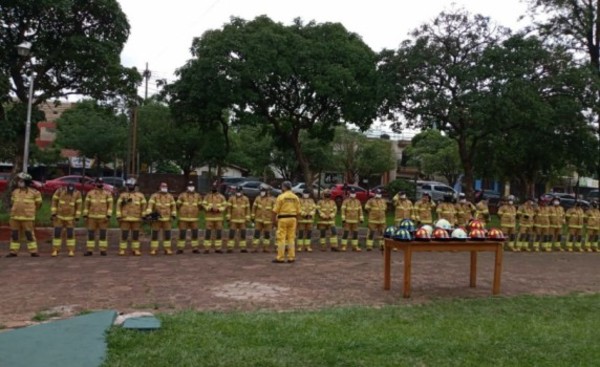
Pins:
<point x="414" y="246"/>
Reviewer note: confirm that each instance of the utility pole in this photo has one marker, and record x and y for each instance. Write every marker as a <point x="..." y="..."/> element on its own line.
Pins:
<point x="147" y="74"/>
<point x="132" y="156"/>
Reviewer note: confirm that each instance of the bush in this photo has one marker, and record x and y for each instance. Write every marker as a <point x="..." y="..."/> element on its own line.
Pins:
<point x="402" y="185"/>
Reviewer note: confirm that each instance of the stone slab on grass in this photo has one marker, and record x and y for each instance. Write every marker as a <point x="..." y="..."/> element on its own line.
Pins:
<point x="142" y="323"/>
<point x="79" y="341"/>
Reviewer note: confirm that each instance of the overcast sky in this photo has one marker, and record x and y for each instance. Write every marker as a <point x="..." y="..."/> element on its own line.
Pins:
<point x="162" y="31"/>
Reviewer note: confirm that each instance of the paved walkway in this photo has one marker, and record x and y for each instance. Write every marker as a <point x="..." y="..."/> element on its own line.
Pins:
<point x="250" y="281"/>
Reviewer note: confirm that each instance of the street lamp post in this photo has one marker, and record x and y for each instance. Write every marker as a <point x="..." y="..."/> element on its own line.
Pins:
<point x="24" y="49"/>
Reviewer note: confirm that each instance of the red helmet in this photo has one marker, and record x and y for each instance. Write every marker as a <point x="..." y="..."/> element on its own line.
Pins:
<point x="474" y="224"/>
<point x="477" y="234"/>
<point x="496" y="234"/>
<point x="440" y="233"/>
<point x="422" y="234"/>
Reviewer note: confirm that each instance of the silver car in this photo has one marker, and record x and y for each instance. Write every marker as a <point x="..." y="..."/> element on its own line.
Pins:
<point x="436" y="190"/>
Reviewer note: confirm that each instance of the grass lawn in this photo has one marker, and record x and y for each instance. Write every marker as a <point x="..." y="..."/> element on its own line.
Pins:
<point x="521" y="331"/>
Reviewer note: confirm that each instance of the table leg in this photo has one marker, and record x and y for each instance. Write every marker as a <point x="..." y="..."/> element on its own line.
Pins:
<point x="407" y="270"/>
<point x="497" y="269"/>
<point x="473" y="276"/>
<point x="387" y="259"/>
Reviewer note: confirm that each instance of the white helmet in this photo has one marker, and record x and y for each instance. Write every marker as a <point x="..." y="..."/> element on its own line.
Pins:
<point x="443" y="223"/>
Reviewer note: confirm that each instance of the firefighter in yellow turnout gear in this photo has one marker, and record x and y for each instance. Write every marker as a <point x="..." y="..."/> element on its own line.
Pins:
<point x="262" y="215"/>
<point x="423" y="210"/>
<point x="404" y="207"/>
<point x="592" y="221"/>
<point x="285" y="213"/>
<point x="97" y="210"/>
<point x="482" y="211"/>
<point x="556" y="215"/>
<point x="352" y="215"/>
<point x="129" y="211"/>
<point x="541" y="226"/>
<point x="327" y="209"/>
<point x="308" y="209"/>
<point x="575" y="217"/>
<point x="25" y="202"/>
<point x="375" y="207"/>
<point x="464" y="210"/>
<point x="525" y="215"/>
<point x="65" y="211"/>
<point x="214" y="205"/>
<point x="238" y="214"/>
<point x="163" y="209"/>
<point x="508" y="222"/>
<point x="447" y="210"/>
<point x="189" y="204"/>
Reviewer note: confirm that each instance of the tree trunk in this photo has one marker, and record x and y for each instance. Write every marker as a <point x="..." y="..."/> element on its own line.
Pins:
<point x="302" y="160"/>
<point x="467" y="163"/>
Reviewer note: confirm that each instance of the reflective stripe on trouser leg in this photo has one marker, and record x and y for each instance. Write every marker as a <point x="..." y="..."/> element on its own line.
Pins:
<point x="243" y="238"/>
<point x="207" y="238"/>
<point x="334" y="240"/>
<point x="91" y="241"/>
<point x="103" y="243"/>
<point x="256" y="238"/>
<point x="345" y="238"/>
<point x="370" y="235"/>
<point x="57" y="239"/>
<point x="154" y="239"/>
<point x="135" y="242"/>
<point x="195" y="239"/>
<point x="31" y="243"/>
<point x="14" y="241"/>
<point x="355" y="239"/>
<point x="167" y="240"/>
<point x="231" y="238"/>
<point x="181" y="240"/>
<point x="123" y="242"/>
<point x="300" y="239"/>
<point x="322" y="233"/>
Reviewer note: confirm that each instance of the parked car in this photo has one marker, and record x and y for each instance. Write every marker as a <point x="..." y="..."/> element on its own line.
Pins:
<point x="593" y="195"/>
<point x="117" y="182"/>
<point x="298" y="189"/>
<point x="338" y="194"/>
<point x="226" y="181"/>
<point x="436" y="190"/>
<point x="567" y="201"/>
<point x="82" y="183"/>
<point x="4" y="181"/>
<point x="251" y="189"/>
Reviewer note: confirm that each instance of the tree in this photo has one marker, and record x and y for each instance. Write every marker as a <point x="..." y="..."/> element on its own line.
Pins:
<point x="434" y="153"/>
<point x="574" y="24"/>
<point x="95" y="131"/>
<point x="376" y="157"/>
<point x="439" y="79"/>
<point x="286" y="79"/>
<point x="537" y="90"/>
<point x="76" y="48"/>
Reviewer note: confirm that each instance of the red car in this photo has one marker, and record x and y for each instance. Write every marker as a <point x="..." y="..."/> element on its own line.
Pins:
<point x="338" y="194"/>
<point x="82" y="183"/>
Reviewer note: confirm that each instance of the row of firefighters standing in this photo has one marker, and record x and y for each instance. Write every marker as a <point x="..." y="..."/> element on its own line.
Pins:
<point x="540" y="225"/>
<point x="68" y="205"/>
<point x="534" y="225"/>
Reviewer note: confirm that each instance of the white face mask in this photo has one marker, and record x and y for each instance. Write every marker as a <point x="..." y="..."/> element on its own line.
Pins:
<point x="263" y="193"/>
<point x="305" y="196"/>
<point x="21" y="184"/>
<point x="556" y="203"/>
<point x="378" y="196"/>
<point x="164" y="189"/>
<point x="191" y="188"/>
<point x="463" y="200"/>
<point x="238" y="194"/>
<point x="510" y="202"/>
<point x="352" y="195"/>
<point x="402" y="196"/>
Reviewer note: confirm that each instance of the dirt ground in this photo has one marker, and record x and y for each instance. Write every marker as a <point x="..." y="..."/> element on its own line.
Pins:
<point x="65" y="286"/>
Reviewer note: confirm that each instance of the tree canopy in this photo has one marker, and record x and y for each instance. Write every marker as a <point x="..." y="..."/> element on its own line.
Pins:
<point x="435" y="154"/>
<point x="75" y="49"/>
<point x="286" y="79"/>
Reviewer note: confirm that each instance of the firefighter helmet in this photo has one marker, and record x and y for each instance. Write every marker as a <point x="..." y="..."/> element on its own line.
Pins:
<point x="402" y="234"/>
<point x="443" y="223"/>
<point x="407" y="224"/>
<point x="477" y="234"/>
<point x="440" y="234"/>
<point x="389" y="232"/>
<point x="422" y="234"/>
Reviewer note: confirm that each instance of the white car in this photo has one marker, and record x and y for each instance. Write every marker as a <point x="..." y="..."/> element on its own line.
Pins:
<point x="436" y="190"/>
<point x="298" y="189"/>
